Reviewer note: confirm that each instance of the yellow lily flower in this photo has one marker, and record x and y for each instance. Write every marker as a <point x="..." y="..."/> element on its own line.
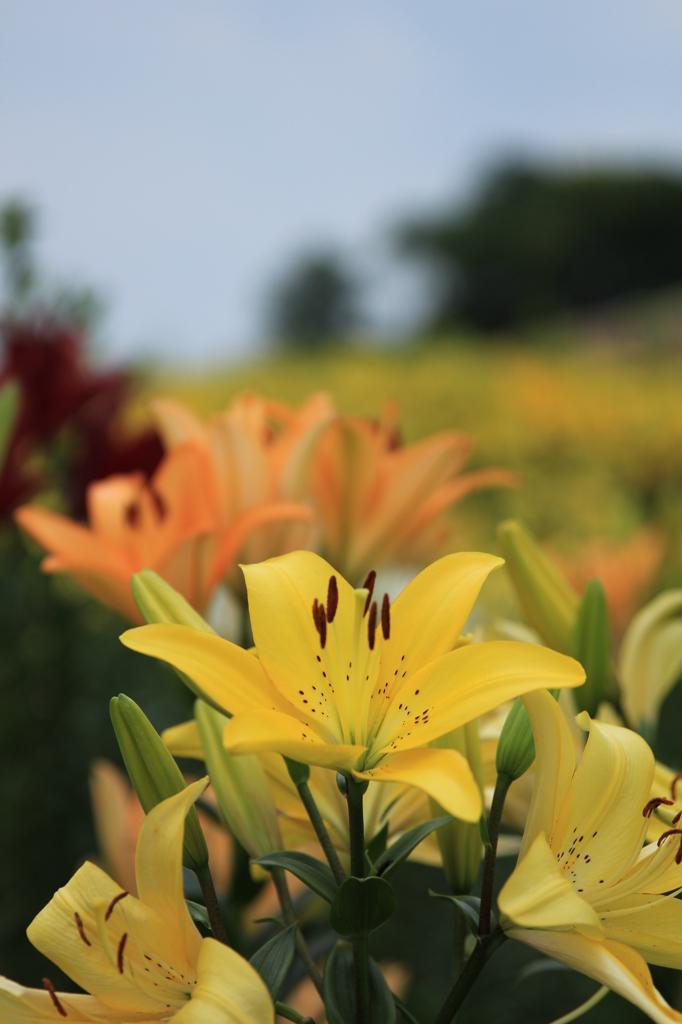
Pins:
<point x="650" y="659"/>
<point x="171" y="524"/>
<point x="585" y="891"/>
<point x="379" y="500"/>
<point x="142" y="959"/>
<point x="339" y="684"/>
<point x="258" y="451"/>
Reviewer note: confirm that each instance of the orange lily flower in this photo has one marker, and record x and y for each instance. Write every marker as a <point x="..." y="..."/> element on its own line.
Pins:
<point x="379" y="500"/>
<point x="258" y="451"/>
<point x="172" y="523"/>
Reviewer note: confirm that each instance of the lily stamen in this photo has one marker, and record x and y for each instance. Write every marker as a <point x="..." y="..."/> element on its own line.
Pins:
<point x="372" y="625"/>
<point x="53" y="996"/>
<point x="113" y="903"/>
<point x="676" y="818"/>
<point x="81" y="930"/>
<point x="670" y="832"/>
<point x="654" y="804"/>
<point x="386" y="617"/>
<point x="119" y="953"/>
<point x="332" y="599"/>
<point x="320" y="620"/>
<point x="368" y="585"/>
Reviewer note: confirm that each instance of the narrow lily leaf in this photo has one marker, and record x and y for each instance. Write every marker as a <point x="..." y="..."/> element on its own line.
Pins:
<point x="316" y="875"/>
<point x="361" y="905"/>
<point x="470" y="908"/>
<point x="339" y="990"/>
<point x="407" y="1014"/>
<point x="403" y="847"/>
<point x="538" y="967"/>
<point x="199" y="915"/>
<point x="274" y="959"/>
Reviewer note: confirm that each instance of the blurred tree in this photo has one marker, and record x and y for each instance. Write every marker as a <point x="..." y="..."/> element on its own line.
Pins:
<point x="17" y="231"/>
<point x="318" y="300"/>
<point x="536" y="242"/>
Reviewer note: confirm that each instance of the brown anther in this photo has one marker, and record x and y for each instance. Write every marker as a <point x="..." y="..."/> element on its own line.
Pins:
<point x="372" y="625"/>
<point x="676" y="818"/>
<point x="81" y="930"/>
<point x="653" y="804"/>
<point x="678" y="855"/>
<point x="322" y="624"/>
<point x="670" y="832"/>
<point x="113" y="903"/>
<point x="119" y="954"/>
<point x="386" y="617"/>
<point x="673" y="784"/>
<point x="332" y="598"/>
<point x="131" y="514"/>
<point x="368" y="585"/>
<point x="53" y="996"/>
<point x="159" y="504"/>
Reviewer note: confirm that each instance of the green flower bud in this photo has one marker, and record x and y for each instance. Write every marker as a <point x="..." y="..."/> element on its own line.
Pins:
<point x="153" y="772"/>
<point x="159" y="603"/>
<point x="592" y="648"/>
<point x="460" y="841"/>
<point x="516" y="747"/>
<point x="241" y="787"/>
<point x="548" y="601"/>
<point x="298" y="773"/>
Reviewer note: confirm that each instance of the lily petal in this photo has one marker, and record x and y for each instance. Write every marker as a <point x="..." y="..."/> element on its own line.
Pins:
<point x="610" y="963"/>
<point x="555" y="760"/>
<point x="466" y="683"/>
<point x="258" y="731"/>
<point x="19" y="1005"/>
<point x="539" y="895"/>
<point x="226" y="673"/>
<point x="651" y="925"/>
<point x="443" y="774"/>
<point x="228" y="990"/>
<point x="184" y="741"/>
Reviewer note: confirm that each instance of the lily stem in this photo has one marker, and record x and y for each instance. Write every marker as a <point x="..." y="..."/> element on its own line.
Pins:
<point x="461" y="931"/>
<point x="289" y="915"/>
<point x="355" y="792"/>
<point x="494" y="819"/>
<point x="318" y="824"/>
<point x="289" y="1013"/>
<point x="212" y="906"/>
<point x="483" y="950"/>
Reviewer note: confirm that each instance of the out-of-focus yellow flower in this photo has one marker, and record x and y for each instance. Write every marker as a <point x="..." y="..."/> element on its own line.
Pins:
<point x="584" y="890"/>
<point x="141" y="958"/>
<point x="339" y="684"/>
<point x="650" y="659"/>
<point x="259" y="452"/>
<point x="118" y="817"/>
<point x="172" y="524"/>
<point x="379" y="500"/>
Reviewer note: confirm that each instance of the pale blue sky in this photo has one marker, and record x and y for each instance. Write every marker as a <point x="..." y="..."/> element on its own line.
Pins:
<point x="181" y="150"/>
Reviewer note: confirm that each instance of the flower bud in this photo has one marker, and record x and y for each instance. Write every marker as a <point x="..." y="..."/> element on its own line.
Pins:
<point x="157" y="602"/>
<point x="240" y="785"/>
<point x="515" y="747"/>
<point x="153" y="772"/>
<point x="548" y="601"/>
<point x="459" y="841"/>
<point x="298" y="773"/>
<point x="592" y="648"/>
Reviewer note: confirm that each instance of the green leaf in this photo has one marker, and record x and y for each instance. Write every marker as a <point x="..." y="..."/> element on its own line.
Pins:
<point x="406" y="1013"/>
<point x="273" y="960"/>
<point x="361" y="905"/>
<point x="470" y="908"/>
<point x="339" y="990"/>
<point x="199" y="915"/>
<point x="10" y="398"/>
<point x="403" y="847"/>
<point x="316" y="875"/>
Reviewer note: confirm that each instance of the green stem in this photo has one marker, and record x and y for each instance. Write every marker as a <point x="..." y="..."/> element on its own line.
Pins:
<point x="212" y="906"/>
<point x="321" y="831"/>
<point x="483" y="950"/>
<point x="289" y="915"/>
<point x="355" y="792"/>
<point x="494" y="819"/>
<point x="460" y="935"/>
<point x="289" y="1013"/>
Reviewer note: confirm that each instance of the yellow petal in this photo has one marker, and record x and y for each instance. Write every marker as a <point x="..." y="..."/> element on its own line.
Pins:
<point x="538" y="895"/>
<point x="158" y="864"/>
<point x="650" y="658"/>
<point x="19" y="1005"/>
<point x="610" y="963"/>
<point x="600" y="827"/>
<point x="259" y="731"/>
<point x="227" y="674"/>
<point x="281" y="595"/>
<point x="442" y="774"/>
<point x="555" y="764"/>
<point x="650" y="924"/>
<point x="183" y="740"/>
<point x="429" y="615"/>
<point x="228" y="990"/>
<point x="466" y="683"/>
